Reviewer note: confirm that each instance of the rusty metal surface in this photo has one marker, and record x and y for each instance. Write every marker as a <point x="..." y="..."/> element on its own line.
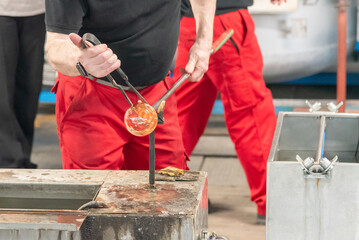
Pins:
<point x="172" y="210"/>
<point x="129" y="192"/>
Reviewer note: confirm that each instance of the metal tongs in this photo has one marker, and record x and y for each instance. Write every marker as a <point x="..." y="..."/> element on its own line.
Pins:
<point x="88" y="37"/>
<point x="159" y="105"/>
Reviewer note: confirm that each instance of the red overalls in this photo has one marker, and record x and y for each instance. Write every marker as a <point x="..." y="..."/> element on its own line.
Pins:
<point x="235" y="71"/>
<point x="92" y="133"/>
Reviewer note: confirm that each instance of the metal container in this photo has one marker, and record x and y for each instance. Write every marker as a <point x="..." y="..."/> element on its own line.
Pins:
<point x="44" y="204"/>
<point x="313" y="177"/>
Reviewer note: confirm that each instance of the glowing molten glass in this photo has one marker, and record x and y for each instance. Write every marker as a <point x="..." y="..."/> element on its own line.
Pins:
<point x="141" y="119"/>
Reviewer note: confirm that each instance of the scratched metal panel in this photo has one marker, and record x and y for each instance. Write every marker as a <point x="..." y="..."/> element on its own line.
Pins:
<point x="301" y="208"/>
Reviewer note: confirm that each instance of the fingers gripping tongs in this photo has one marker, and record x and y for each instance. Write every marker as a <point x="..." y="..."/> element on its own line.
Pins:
<point x="90" y="38"/>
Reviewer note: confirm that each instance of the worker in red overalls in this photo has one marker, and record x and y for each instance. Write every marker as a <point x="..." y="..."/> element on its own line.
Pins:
<point x="236" y="72"/>
<point x="140" y="36"/>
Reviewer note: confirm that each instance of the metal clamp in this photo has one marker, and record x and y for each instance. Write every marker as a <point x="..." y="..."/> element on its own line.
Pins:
<point x="205" y="235"/>
<point x="334" y="108"/>
<point x="315" y="107"/>
<point x="326" y="164"/>
<point x="320" y="167"/>
<point x="306" y="163"/>
<point x="312" y="169"/>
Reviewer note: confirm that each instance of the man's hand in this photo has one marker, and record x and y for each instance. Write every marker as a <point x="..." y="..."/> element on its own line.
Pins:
<point x="279" y="2"/>
<point x="198" y="60"/>
<point x="98" y="60"/>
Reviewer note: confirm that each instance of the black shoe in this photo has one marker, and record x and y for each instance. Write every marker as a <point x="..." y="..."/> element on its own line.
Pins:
<point x="210" y="207"/>
<point x="261" y="219"/>
<point x="30" y="165"/>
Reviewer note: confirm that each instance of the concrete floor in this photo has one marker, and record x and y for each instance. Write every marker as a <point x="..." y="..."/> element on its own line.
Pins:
<point x="234" y="215"/>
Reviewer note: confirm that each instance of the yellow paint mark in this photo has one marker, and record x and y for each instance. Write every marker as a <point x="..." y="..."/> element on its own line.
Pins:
<point x="42" y="118"/>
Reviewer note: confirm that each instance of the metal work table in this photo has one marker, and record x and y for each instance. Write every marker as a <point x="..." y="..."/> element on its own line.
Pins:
<point x="43" y="204"/>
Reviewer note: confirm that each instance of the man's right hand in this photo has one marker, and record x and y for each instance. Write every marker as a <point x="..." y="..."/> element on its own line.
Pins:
<point x="98" y="60"/>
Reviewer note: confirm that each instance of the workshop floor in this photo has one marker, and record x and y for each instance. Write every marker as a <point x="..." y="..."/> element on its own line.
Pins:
<point x="234" y="215"/>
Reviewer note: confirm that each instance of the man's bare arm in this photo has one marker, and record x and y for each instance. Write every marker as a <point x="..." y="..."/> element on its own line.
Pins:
<point x="64" y="51"/>
<point x="203" y="11"/>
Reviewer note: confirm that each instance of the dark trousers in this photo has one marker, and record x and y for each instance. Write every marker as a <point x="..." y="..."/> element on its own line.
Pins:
<point x="21" y="65"/>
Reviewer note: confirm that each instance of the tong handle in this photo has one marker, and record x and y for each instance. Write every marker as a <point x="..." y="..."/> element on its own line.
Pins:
<point x="94" y="41"/>
<point x="221" y="40"/>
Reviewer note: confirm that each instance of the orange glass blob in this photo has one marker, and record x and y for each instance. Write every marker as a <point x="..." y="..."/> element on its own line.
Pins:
<point x="141" y="119"/>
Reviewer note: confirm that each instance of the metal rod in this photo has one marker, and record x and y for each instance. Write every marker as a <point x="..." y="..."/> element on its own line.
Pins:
<point x="122" y="74"/>
<point x="342" y="54"/>
<point x="171" y="90"/>
<point x="152" y="158"/>
<point x="110" y="78"/>
<point x="321" y="138"/>
<point x="135" y="90"/>
<point x="125" y="77"/>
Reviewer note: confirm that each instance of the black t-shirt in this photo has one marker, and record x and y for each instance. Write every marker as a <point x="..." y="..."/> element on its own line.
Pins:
<point x="142" y="33"/>
<point x="223" y="6"/>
